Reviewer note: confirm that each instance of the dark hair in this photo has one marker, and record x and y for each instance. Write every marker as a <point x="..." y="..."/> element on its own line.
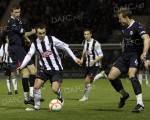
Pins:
<point x="87" y="29"/>
<point x="125" y="12"/>
<point x="40" y="26"/>
<point x="14" y="7"/>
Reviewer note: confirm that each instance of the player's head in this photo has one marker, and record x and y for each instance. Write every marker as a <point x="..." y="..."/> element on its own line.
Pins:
<point x="87" y="34"/>
<point x="15" y="11"/>
<point x="40" y="31"/>
<point x="124" y="16"/>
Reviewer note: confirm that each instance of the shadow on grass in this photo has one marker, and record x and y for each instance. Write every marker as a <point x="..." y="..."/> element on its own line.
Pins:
<point x="106" y="110"/>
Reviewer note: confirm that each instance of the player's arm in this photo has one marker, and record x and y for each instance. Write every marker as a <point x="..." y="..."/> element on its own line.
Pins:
<point x="27" y="34"/>
<point x="146" y="42"/>
<point x="63" y="46"/>
<point x="83" y="56"/>
<point x="99" y="54"/>
<point x="1" y="54"/>
<point x="28" y="56"/>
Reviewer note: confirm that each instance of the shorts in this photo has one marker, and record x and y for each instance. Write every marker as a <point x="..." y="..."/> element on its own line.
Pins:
<point x="17" y="54"/>
<point x="8" y="68"/>
<point x="91" y="71"/>
<point x="50" y="75"/>
<point x="126" y="61"/>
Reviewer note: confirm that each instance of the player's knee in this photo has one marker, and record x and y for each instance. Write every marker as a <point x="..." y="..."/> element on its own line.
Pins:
<point x="25" y="73"/>
<point x="111" y="77"/>
<point x="36" y="87"/>
<point x="55" y="90"/>
<point x="32" y="69"/>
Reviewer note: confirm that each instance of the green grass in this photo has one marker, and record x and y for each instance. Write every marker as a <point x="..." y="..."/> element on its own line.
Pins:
<point x="102" y="103"/>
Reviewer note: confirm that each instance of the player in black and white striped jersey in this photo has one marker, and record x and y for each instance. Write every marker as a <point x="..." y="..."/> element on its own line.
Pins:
<point x="93" y="53"/>
<point x="7" y="67"/>
<point x="51" y="62"/>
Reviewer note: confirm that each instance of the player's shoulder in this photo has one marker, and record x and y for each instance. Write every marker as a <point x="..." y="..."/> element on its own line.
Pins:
<point x="137" y="24"/>
<point x="96" y="42"/>
<point x="11" y="20"/>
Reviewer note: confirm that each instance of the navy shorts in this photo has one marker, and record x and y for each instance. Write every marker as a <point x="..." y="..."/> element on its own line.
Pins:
<point x="50" y="75"/>
<point x="17" y="54"/>
<point x="126" y="61"/>
<point x="8" y="68"/>
<point x="91" y="71"/>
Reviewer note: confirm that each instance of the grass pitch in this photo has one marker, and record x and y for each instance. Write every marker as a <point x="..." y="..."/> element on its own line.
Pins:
<point x="102" y="103"/>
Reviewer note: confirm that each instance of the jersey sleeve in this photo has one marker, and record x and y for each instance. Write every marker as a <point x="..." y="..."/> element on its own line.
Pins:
<point x="28" y="56"/>
<point x="1" y="51"/>
<point x="98" y="49"/>
<point x="141" y="29"/>
<point x="63" y="46"/>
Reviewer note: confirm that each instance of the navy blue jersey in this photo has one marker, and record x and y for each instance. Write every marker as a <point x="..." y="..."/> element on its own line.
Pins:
<point x="132" y="37"/>
<point x="15" y="31"/>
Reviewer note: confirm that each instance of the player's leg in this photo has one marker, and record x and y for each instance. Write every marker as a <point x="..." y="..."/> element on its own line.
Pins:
<point x="32" y="69"/>
<point x="90" y="74"/>
<point x="8" y="78"/>
<point x="37" y="93"/>
<point x="140" y="77"/>
<point x="116" y="83"/>
<point x="100" y="75"/>
<point x="147" y="64"/>
<point x="14" y="81"/>
<point x="25" y="84"/>
<point x="8" y="82"/>
<point x="137" y="89"/>
<point x="56" y="82"/>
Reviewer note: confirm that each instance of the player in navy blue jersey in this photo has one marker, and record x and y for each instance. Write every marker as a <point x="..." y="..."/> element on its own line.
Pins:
<point x="16" y="51"/>
<point x="136" y="45"/>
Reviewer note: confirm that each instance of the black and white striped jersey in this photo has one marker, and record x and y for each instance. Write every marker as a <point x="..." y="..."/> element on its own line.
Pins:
<point x="4" y="53"/>
<point x="48" y="53"/>
<point x="92" y="49"/>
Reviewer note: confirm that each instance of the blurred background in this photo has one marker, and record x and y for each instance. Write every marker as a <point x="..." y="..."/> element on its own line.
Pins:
<point x="66" y="20"/>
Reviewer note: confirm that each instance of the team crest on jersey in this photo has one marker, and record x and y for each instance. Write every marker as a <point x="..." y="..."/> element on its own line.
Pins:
<point x="46" y="54"/>
<point x="131" y="32"/>
<point x="20" y="22"/>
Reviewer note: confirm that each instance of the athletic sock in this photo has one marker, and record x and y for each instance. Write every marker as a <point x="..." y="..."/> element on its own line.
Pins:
<point x="87" y="90"/>
<point x="14" y="81"/>
<point x="8" y="85"/>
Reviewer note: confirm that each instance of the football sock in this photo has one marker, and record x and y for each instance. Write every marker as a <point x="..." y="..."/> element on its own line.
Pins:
<point x="116" y="83"/>
<point x="139" y="99"/>
<point x="87" y="89"/>
<point x="8" y="85"/>
<point x="140" y="78"/>
<point x="123" y="92"/>
<point x="136" y="85"/>
<point x="32" y="80"/>
<point x="26" y="96"/>
<point x="98" y="76"/>
<point x="14" y="81"/>
<point x="31" y="91"/>
<point x="25" y="84"/>
<point x="58" y="93"/>
<point x="146" y="77"/>
<point x="37" y="97"/>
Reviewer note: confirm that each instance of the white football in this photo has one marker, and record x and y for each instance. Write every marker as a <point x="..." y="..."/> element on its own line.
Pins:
<point x="55" y="105"/>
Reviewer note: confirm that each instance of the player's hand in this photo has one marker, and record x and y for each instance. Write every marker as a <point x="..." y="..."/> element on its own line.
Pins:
<point x="78" y="61"/>
<point x="19" y="68"/>
<point x="33" y="31"/>
<point x="143" y="56"/>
